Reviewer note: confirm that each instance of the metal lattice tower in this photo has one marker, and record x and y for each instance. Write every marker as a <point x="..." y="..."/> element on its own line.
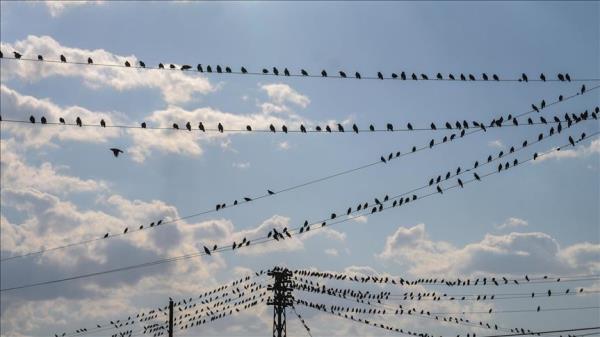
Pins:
<point x="282" y="298"/>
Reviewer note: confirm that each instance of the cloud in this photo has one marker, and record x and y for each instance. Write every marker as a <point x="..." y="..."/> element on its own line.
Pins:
<point x="514" y="253"/>
<point x="332" y="252"/>
<point x="17" y="106"/>
<point x="361" y="219"/>
<point x="241" y="165"/>
<point x="512" y="222"/>
<point x="496" y="143"/>
<point x="570" y="153"/>
<point x="16" y="173"/>
<point x="175" y="86"/>
<point x="280" y="94"/>
<point x="284" y="146"/>
<point x="56" y="8"/>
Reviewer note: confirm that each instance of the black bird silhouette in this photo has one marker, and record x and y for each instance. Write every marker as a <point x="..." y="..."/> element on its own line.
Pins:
<point x="188" y="126"/>
<point x="485" y="76"/>
<point x="220" y="127"/>
<point x="403" y="76"/>
<point x="543" y="120"/>
<point x="286" y="72"/>
<point x="476" y="176"/>
<point x="371" y="127"/>
<point x="275" y="71"/>
<point x="248" y="128"/>
<point x="61" y="120"/>
<point x="448" y="126"/>
<point x="543" y="104"/>
<point x="127" y="64"/>
<point x="142" y="64"/>
<point x="318" y="128"/>
<point x="582" y="89"/>
<point x="535" y="155"/>
<point x="567" y="77"/>
<point x="324" y="73"/>
<point x="571" y="141"/>
<point x="471" y="77"/>
<point x="265" y="71"/>
<point x="439" y="76"/>
<point x="172" y="66"/>
<point x="433" y="127"/>
<point x="78" y="121"/>
<point x="495" y="77"/>
<point x="272" y="128"/>
<point x="409" y="126"/>
<point x="102" y="123"/>
<point x="524" y="77"/>
<point x="40" y="58"/>
<point x="543" y="77"/>
<point x="284" y="129"/>
<point x="206" y="250"/>
<point x="342" y="74"/>
<point x="357" y="75"/>
<point x="244" y="71"/>
<point x="17" y="55"/>
<point x="383" y="159"/>
<point x="125" y="231"/>
<point x="414" y="77"/>
<point x="439" y="189"/>
<point x="106" y="235"/>
<point x="327" y="128"/>
<point x="175" y="126"/>
<point x="535" y="108"/>
<point x="460" y="183"/>
<point x="303" y="72"/>
<point x="43" y="120"/>
<point x="450" y="76"/>
<point x="63" y="58"/>
<point x="561" y="77"/>
<point x="390" y="127"/>
<point x="462" y="77"/>
<point x="247" y="199"/>
<point x="219" y="69"/>
<point x="186" y="67"/>
<point x="161" y="66"/>
<point x="302" y="129"/>
<point x="209" y="69"/>
<point x="355" y="128"/>
<point x="340" y="127"/>
<point x="32" y="119"/>
<point x="270" y="192"/>
<point x="394" y="75"/>
<point x="380" y="75"/>
<point x="201" y="127"/>
<point x="199" y="68"/>
<point x="431" y="143"/>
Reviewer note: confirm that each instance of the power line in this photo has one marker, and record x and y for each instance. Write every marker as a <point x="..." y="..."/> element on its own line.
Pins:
<point x="287" y="189"/>
<point x="547" y="332"/>
<point x="259" y="240"/>
<point x="285" y="72"/>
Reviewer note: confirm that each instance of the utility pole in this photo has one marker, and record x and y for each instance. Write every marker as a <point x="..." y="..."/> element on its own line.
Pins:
<point x="282" y="298"/>
<point x="170" y="317"/>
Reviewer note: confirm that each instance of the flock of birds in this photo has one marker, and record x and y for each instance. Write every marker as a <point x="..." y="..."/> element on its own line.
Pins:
<point x="563" y="77"/>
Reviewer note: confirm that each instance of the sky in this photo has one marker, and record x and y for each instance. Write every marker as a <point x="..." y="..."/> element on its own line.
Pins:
<point x="61" y="184"/>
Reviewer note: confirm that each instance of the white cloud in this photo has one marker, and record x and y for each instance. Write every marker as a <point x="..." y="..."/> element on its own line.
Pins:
<point x="175" y="86"/>
<point x="514" y="253"/>
<point x="241" y="165"/>
<point x="332" y="252"/>
<point x="361" y="219"/>
<point x="17" y="106"/>
<point x="284" y="146"/>
<point x="512" y="222"/>
<point x="569" y="153"/>
<point x="496" y="143"/>
<point x="280" y="94"/>
<point x="56" y="8"/>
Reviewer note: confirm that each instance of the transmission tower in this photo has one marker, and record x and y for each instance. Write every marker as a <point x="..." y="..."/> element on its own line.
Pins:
<point x="282" y="298"/>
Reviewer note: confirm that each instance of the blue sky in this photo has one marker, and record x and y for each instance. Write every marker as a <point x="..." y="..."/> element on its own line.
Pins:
<point x="63" y="186"/>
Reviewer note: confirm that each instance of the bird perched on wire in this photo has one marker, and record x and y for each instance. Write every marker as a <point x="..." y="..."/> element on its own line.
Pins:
<point x="116" y="151"/>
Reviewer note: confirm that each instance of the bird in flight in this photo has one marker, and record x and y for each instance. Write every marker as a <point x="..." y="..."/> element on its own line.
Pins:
<point x="116" y="151"/>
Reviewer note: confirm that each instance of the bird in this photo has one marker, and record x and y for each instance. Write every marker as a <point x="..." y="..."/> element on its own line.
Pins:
<point x="275" y="71"/>
<point x="303" y="72"/>
<point x="342" y="74"/>
<point x="327" y="128"/>
<point x="206" y="250"/>
<point x="175" y="126"/>
<point x="302" y="129"/>
<point x="414" y="77"/>
<point x="265" y="71"/>
<point x="284" y="129"/>
<point x="244" y="71"/>
<point x="102" y="123"/>
<point x="561" y="77"/>
<point x="188" y="126"/>
<point x="379" y="75"/>
<point x="357" y="75"/>
<point x="248" y="128"/>
<point x="270" y="192"/>
<point x="125" y="231"/>
<point x="272" y="128"/>
<point x="61" y="120"/>
<point x="433" y="126"/>
<point x="495" y="77"/>
<point x="127" y="64"/>
<point x="431" y="143"/>
<point x="439" y="189"/>
<point x="383" y="159"/>
<point x="439" y="76"/>
<point x="78" y="121"/>
<point x="471" y="77"/>
<point x="390" y="127"/>
<point x="324" y="73"/>
<point x="201" y="127"/>
<point x="462" y="77"/>
<point x="340" y="128"/>
<point x="582" y="89"/>
<point x="409" y="126"/>
<point x="448" y="126"/>
<point x="40" y="58"/>
<point x="17" y="55"/>
<point x="220" y="127"/>
<point x="567" y="77"/>
<point x="172" y="66"/>
<point x="476" y="176"/>
<point x="460" y="183"/>
<point x="371" y="127"/>
<point x="63" y="58"/>
<point x="543" y="77"/>
<point x="524" y="77"/>
<point x="450" y="76"/>
<point x="186" y="67"/>
<point x="403" y="76"/>
<point x="199" y="68"/>
<point x="208" y="69"/>
<point x="355" y="128"/>
<point x="106" y="235"/>
<point x="394" y="75"/>
<point x="116" y="151"/>
<point x="43" y="120"/>
<point x="484" y="76"/>
<point x="286" y="72"/>
<point x="571" y="141"/>
<point x="142" y="64"/>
